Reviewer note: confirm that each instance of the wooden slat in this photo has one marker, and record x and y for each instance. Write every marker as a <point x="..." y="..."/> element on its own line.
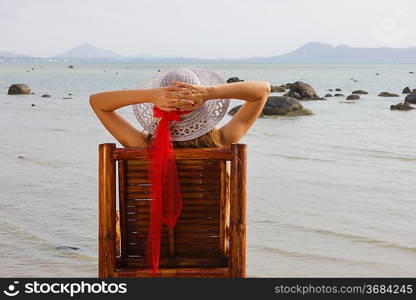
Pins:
<point x="143" y="235"/>
<point x="202" y="210"/>
<point x="175" y="262"/>
<point x="180" y="153"/>
<point x="185" y="196"/>
<point x="199" y="241"/>
<point x="174" y="272"/>
<point x="186" y="201"/>
<point x="213" y="227"/>
<point x="137" y="165"/>
<point x="143" y="192"/>
<point x="182" y="173"/>
<point x="199" y="180"/>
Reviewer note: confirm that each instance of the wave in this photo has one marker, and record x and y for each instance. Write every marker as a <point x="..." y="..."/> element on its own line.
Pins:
<point x="377" y="153"/>
<point x="357" y="238"/>
<point x="39" y="162"/>
<point x="302" y="158"/>
<point x="35" y="240"/>
<point x="307" y="255"/>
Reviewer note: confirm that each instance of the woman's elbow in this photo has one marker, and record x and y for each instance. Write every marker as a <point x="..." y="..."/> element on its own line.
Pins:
<point x="265" y="91"/>
<point x="267" y="88"/>
<point x="94" y="101"/>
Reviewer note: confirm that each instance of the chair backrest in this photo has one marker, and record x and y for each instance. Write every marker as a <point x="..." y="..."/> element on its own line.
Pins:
<point x="210" y="232"/>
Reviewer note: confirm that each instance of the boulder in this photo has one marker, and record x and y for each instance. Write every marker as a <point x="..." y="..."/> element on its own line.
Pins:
<point x="406" y="90"/>
<point x="18" y="89"/>
<point x="302" y="91"/>
<point x="387" y="94"/>
<point x="353" y="97"/>
<point x="339" y="95"/>
<point x="45" y="95"/>
<point x="359" y="92"/>
<point x="329" y="90"/>
<point x="338" y="90"/>
<point x="277" y="89"/>
<point x="328" y="95"/>
<point x="411" y="98"/>
<point x="70" y="67"/>
<point x="402" y="106"/>
<point x="234" y="79"/>
<point x="280" y="106"/>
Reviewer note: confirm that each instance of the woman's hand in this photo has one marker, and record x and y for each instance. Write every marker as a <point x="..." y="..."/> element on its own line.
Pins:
<point x="188" y="96"/>
<point x="164" y="100"/>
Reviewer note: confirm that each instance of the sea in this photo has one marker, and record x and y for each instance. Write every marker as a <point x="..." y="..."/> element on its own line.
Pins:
<point x="332" y="194"/>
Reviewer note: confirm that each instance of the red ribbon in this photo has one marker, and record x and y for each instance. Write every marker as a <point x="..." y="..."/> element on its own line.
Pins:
<point x="166" y="198"/>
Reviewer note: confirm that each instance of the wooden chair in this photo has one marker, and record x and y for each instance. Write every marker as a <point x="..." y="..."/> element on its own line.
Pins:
<point x="209" y="239"/>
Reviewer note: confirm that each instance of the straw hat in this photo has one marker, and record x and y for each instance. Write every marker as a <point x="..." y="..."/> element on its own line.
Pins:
<point x="195" y="123"/>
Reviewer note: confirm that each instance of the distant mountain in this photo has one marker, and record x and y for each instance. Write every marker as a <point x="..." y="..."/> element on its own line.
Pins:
<point x="7" y="54"/>
<point x="315" y="52"/>
<point x="87" y="51"/>
<point x="312" y="52"/>
<point x="149" y="56"/>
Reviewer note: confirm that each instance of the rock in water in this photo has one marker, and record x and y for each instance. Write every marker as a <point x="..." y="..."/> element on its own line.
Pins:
<point x="339" y="95"/>
<point x="234" y="79"/>
<point x="328" y="95"/>
<point x="406" y="90"/>
<point x="70" y="67"/>
<point x="411" y="98"/>
<point x="353" y="97"/>
<point x="401" y="106"/>
<point x="280" y="106"/>
<point x="18" y="89"/>
<point x="387" y="94"/>
<point x="359" y="92"/>
<point x="66" y="248"/>
<point x="45" y="95"/>
<point x="277" y="89"/>
<point x="302" y="91"/>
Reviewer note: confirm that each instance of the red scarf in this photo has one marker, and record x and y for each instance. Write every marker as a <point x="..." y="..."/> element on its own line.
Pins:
<point x="166" y="198"/>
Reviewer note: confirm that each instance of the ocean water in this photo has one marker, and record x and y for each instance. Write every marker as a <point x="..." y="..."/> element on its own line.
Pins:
<point x="329" y="195"/>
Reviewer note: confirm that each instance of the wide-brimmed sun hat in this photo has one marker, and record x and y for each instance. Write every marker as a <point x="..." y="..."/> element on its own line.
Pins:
<point x="195" y="123"/>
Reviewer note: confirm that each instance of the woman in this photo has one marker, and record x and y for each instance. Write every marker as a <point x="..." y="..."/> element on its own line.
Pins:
<point x="178" y="108"/>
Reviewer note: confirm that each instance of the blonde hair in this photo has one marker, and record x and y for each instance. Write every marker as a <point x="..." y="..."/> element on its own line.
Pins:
<point x="211" y="139"/>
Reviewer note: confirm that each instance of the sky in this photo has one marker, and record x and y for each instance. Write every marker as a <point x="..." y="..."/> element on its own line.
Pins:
<point x="203" y="29"/>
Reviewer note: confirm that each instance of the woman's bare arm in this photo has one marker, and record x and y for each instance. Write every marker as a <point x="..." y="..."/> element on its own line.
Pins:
<point x="255" y="93"/>
<point x="104" y="105"/>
